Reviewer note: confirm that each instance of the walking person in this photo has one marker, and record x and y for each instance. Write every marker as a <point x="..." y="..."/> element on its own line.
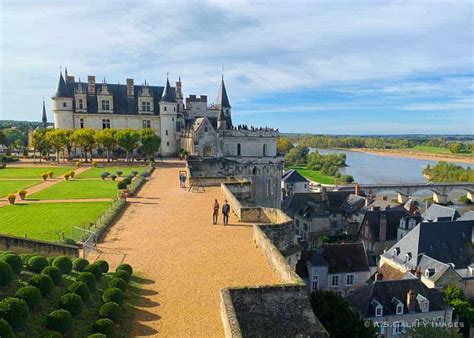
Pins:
<point x="225" y="212"/>
<point x="180" y="180"/>
<point x="183" y="180"/>
<point x="215" y="212"/>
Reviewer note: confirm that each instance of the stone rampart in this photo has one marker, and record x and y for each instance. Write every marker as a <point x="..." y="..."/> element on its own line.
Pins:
<point x="20" y="244"/>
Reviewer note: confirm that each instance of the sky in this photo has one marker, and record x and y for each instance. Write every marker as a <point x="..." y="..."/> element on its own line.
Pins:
<point x="325" y="67"/>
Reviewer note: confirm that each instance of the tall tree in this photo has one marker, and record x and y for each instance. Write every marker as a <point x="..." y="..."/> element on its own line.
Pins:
<point x="68" y="142"/>
<point x="128" y="139"/>
<point x="39" y="143"/>
<point x="84" y="139"/>
<point x="150" y="142"/>
<point x="284" y="144"/>
<point x="107" y="138"/>
<point x="57" y="140"/>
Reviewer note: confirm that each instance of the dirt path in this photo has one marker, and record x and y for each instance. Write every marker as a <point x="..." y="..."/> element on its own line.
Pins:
<point x="166" y="234"/>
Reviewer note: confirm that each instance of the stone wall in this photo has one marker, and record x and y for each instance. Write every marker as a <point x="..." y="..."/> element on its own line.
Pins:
<point x="20" y="244"/>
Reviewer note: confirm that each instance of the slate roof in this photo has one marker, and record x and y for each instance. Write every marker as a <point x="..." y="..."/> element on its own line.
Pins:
<point x="393" y="216"/>
<point x="385" y="290"/>
<point x="222" y="100"/>
<point x="440" y="213"/>
<point x="345" y="257"/>
<point x="447" y="242"/>
<point x="62" y="90"/>
<point x="298" y="200"/>
<point x="293" y="176"/>
<point x="468" y="216"/>
<point x="168" y="94"/>
<point x="427" y="262"/>
<point x="353" y="203"/>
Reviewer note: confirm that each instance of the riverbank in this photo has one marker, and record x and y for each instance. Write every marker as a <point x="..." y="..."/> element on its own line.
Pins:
<point x="414" y="154"/>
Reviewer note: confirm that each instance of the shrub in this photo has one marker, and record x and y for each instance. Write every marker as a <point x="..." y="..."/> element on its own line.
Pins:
<point x="79" y="264"/>
<point x="94" y="164"/>
<point x="25" y="257"/>
<point x="66" y="176"/>
<point x="6" y="330"/>
<point x="54" y="273"/>
<point x="72" y="173"/>
<point x="43" y="282"/>
<point x="6" y="274"/>
<point x="97" y="335"/>
<point x="110" y="310"/>
<point x="59" y="320"/>
<point x="50" y="260"/>
<point x="113" y="177"/>
<point x="44" y="176"/>
<point x="119" y="173"/>
<point x="30" y="294"/>
<point x="113" y="295"/>
<point x="11" y="198"/>
<point x="13" y="260"/>
<point x="95" y="269"/>
<point x="104" y="326"/>
<point x="118" y="283"/>
<point x="15" y="311"/>
<point x="69" y="241"/>
<point x="71" y="302"/>
<point x="144" y="174"/>
<point x="52" y="334"/>
<point x="37" y="263"/>
<point x="104" y="175"/>
<point x="50" y="174"/>
<point x="134" y="173"/>
<point x="22" y="194"/>
<point x="127" y="180"/>
<point x="78" y="164"/>
<point x="88" y="278"/>
<point x="81" y="289"/>
<point x="63" y="263"/>
<point x="125" y="267"/>
<point x="122" y="185"/>
<point x="122" y="274"/>
<point x="103" y="265"/>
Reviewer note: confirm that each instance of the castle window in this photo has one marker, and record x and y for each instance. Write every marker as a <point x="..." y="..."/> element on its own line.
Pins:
<point x="264" y="150"/>
<point x="146" y="106"/>
<point x="206" y="129"/>
<point x="238" y="149"/>
<point x="64" y="104"/>
<point x="105" y="104"/>
<point x="167" y="143"/>
<point x="164" y="108"/>
<point x="349" y="279"/>
<point x="81" y="104"/>
<point x="105" y="124"/>
<point x="146" y="124"/>
<point x="81" y="123"/>
<point x="166" y="132"/>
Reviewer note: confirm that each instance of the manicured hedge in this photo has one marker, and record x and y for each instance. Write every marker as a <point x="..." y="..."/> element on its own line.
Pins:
<point x="54" y="273"/>
<point x="79" y="264"/>
<point x="37" y="263"/>
<point x="88" y="278"/>
<point x="118" y="283"/>
<point x="25" y="257"/>
<point x="63" y="263"/>
<point x="81" y="289"/>
<point x="6" y="330"/>
<point x="104" y="326"/>
<point x="13" y="260"/>
<point x="50" y="260"/>
<point x="125" y="267"/>
<point x="59" y="320"/>
<point x="72" y="303"/>
<point x="52" y="334"/>
<point x="15" y="311"/>
<point x="95" y="269"/>
<point x="30" y="294"/>
<point x="113" y="295"/>
<point x="103" y="265"/>
<point x="6" y="274"/>
<point x="97" y="335"/>
<point x="122" y="274"/>
<point x="110" y="310"/>
<point x="43" y="282"/>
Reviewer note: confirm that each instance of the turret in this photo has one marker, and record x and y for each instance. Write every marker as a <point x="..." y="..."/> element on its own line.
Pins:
<point x="222" y="102"/>
<point x="62" y="106"/>
<point x="168" y="117"/>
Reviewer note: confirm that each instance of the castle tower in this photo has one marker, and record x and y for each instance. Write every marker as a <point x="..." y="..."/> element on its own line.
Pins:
<point x="168" y="116"/>
<point x="221" y="120"/>
<point x="179" y="95"/>
<point x="44" y="118"/>
<point x="62" y="106"/>
<point x="222" y="102"/>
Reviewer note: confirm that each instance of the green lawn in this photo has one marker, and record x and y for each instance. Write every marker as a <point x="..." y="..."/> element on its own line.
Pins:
<point x="31" y="172"/>
<point x="48" y="221"/>
<point x="11" y="186"/>
<point x="314" y="175"/>
<point x="79" y="189"/>
<point x="437" y="150"/>
<point x="95" y="172"/>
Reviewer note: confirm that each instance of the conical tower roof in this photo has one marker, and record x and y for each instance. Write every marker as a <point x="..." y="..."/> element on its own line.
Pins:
<point x="44" y="118"/>
<point x="168" y="93"/>
<point x="61" y="91"/>
<point x="222" y="100"/>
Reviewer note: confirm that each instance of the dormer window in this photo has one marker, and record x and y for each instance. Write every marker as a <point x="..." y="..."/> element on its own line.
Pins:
<point x="398" y="307"/>
<point x="396" y="251"/>
<point x="105" y="105"/>
<point x="408" y="256"/>
<point x="146" y="106"/>
<point x="81" y="104"/>
<point x="423" y="303"/>
<point x="378" y="308"/>
<point x="429" y="272"/>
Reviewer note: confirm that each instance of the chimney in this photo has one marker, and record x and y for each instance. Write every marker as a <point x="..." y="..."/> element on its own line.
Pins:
<point x="91" y="85"/>
<point x="357" y="190"/>
<point x="378" y="276"/>
<point x="203" y="98"/>
<point x="411" y="301"/>
<point x="70" y="78"/>
<point x="130" y="88"/>
<point x="324" y="195"/>
<point x="383" y="228"/>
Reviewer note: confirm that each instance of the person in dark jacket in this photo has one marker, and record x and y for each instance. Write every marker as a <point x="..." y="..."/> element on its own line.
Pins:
<point x="215" y="212"/>
<point x="225" y="212"/>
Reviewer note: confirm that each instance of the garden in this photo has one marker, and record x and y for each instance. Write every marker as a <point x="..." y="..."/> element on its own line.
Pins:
<point x="59" y="296"/>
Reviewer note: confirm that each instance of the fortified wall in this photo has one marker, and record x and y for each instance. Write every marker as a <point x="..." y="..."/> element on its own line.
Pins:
<point x="21" y="244"/>
<point x="282" y="310"/>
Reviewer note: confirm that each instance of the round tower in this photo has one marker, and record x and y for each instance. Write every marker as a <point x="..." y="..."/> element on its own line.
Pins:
<point x="62" y="106"/>
<point x="168" y="116"/>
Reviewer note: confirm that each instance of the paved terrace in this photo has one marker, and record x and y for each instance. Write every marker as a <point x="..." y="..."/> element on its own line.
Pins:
<point x="166" y="234"/>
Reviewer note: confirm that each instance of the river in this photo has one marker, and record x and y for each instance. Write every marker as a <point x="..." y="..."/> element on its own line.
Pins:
<point x="375" y="169"/>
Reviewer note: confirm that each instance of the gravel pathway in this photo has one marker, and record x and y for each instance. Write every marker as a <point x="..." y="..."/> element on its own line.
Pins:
<point x="166" y="234"/>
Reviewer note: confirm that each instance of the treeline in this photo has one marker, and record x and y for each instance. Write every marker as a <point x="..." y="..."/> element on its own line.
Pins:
<point x="448" y="172"/>
<point x="107" y="141"/>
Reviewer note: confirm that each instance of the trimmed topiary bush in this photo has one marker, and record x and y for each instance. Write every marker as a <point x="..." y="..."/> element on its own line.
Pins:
<point x="79" y="264"/>
<point x="54" y="273"/>
<point x="104" y="326"/>
<point x="103" y="265"/>
<point x="110" y="310"/>
<point x="122" y="274"/>
<point x="118" y="283"/>
<point x="125" y="267"/>
<point x="15" y="311"/>
<point x="113" y="295"/>
<point x="97" y="335"/>
<point x="81" y="289"/>
<point x="25" y="257"/>
<point x="88" y="278"/>
<point x="119" y="173"/>
<point x="113" y="177"/>
<point x="71" y="302"/>
<point x="52" y="334"/>
<point x="30" y="294"/>
<point x="13" y="260"/>
<point x="50" y="260"/>
<point x="63" y="263"/>
<point x="37" y="264"/>
<point x="6" y="274"/>
<point x="43" y="282"/>
<point x="59" y="320"/>
<point x="95" y="269"/>
<point x="121" y="185"/>
<point x="6" y="330"/>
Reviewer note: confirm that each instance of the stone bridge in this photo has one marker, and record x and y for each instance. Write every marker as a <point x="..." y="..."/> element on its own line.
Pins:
<point x="404" y="191"/>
